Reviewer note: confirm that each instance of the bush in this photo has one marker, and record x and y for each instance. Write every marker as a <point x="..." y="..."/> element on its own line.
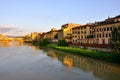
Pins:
<point x="62" y="42"/>
<point x="43" y="42"/>
<point x="105" y="56"/>
<point x="36" y="43"/>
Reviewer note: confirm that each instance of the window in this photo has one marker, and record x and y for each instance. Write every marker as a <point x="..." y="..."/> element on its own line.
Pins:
<point x="90" y="27"/>
<point x="103" y="35"/>
<point x="82" y="37"/>
<point x="97" y="35"/>
<point x="104" y="29"/>
<point x="107" y="29"/>
<point x="100" y="35"/>
<point x="97" y="30"/>
<point x="106" y="35"/>
<point x="84" y="31"/>
<point x="109" y="34"/>
<point x="85" y="27"/>
<point x="76" y="41"/>
<point x="111" y="28"/>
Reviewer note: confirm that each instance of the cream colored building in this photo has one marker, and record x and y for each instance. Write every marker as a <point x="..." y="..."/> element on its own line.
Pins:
<point x="81" y="33"/>
<point x="103" y="33"/>
<point x="95" y="33"/>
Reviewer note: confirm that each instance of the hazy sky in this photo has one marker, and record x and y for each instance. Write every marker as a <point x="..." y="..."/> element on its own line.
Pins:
<point x="42" y="15"/>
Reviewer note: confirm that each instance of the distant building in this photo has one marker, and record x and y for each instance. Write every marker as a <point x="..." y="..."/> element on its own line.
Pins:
<point x="31" y="37"/>
<point x="51" y="35"/>
<point x="2" y="37"/>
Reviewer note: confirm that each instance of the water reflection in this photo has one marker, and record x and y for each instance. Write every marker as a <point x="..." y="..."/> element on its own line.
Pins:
<point x="28" y="62"/>
<point x="52" y="54"/>
<point x="68" y="60"/>
<point x="12" y="43"/>
<point x="103" y="70"/>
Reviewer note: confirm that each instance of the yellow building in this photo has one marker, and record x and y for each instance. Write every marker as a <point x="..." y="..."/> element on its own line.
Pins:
<point x="51" y="35"/>
<point x="67" y="31"/>
<point x="3" y="37"/>
<point x="34" y="35"/>
<point x="31" y="37"/>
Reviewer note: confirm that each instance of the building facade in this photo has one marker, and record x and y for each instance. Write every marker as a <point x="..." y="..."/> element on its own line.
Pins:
<point x="60" y="34"/>
<point x="95" y="33"/>
<point x="51" y="35"/>
<point x="67" y="31"/>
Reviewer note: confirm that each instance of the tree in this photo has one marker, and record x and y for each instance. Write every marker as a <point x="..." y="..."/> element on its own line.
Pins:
<point x="44" y="42"/>
<point x="115" y="41"/>
<point x="62" y="42"/>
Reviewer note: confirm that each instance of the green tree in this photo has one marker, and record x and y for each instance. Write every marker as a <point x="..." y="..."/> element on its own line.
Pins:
<point x="115" y="41"/>
<point x="62" y="42"/>
<point x="44" y="42"/>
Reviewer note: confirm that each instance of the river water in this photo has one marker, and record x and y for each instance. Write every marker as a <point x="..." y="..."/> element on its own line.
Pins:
<point x="27" y="62"/>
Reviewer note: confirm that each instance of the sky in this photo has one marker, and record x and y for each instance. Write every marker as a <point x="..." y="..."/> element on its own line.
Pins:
<point x="18" y="17"/>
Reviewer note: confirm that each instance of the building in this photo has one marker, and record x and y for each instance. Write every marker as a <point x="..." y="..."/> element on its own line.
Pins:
<point x="60" y="34"/>
<point x="34" y="36"/>
<point x="103" y="30"/>
<point x="67" y="31"/>
<point x="3" y="37"/>
<point x="82" y="34"/>
<point x="95" y="33"/>
<point x="51" y="35"/>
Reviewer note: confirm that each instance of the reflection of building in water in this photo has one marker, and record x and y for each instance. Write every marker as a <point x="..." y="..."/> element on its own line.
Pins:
<point x="79" y="62"/>
<point x="35" y="48"/>
<point x="4" y="44"/>
<point x="20" y="43"/>
<point x="98" y="68"/>
<point x="68" y="61"/>
<point x="102" y="70"/>
<point x="52" y="54"/>
<point x="11" y="43"/>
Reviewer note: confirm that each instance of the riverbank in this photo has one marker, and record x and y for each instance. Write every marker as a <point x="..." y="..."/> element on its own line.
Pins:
<point x="95" y="54"/>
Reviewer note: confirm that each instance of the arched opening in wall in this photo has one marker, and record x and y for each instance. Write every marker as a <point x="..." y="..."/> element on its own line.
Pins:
<point x="103" y="41"/>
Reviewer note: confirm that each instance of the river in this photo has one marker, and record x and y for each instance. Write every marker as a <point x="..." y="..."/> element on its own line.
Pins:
<point x="28" y="62"/>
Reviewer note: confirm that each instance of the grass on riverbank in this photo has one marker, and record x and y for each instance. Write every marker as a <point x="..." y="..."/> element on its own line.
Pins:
<point x="105" y="56"/>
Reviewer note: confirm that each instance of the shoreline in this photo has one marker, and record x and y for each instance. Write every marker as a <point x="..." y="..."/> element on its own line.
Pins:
<point x="94" y="54"/>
